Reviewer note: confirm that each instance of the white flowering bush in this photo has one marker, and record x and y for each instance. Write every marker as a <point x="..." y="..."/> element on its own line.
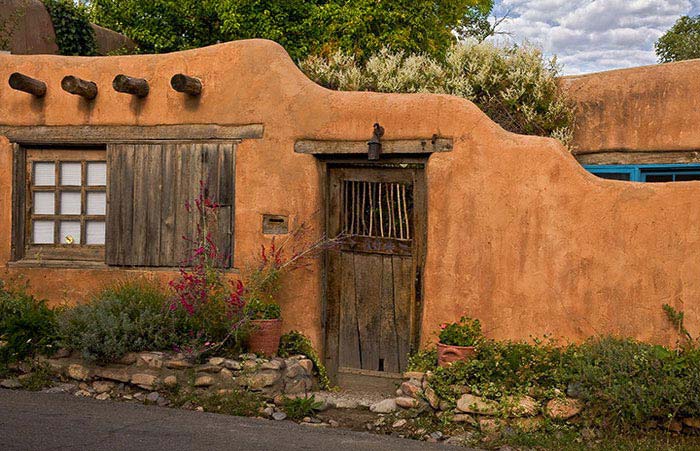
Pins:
<point x="515" y="86"/>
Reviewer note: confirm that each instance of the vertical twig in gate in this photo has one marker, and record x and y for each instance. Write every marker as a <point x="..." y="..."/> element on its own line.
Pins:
<point x="371" y="207"/>
<point x="400" y="208"/>
<point x="405" y="212"/>
<point x="379" y="202"/>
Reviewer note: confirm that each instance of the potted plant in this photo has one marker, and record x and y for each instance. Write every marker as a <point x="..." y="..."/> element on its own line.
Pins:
<point x="458" y="341"/>
<point x="265" y="327"/>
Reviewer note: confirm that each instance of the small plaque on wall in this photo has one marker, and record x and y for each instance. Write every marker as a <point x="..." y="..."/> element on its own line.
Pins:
<point x="275" y="224"/>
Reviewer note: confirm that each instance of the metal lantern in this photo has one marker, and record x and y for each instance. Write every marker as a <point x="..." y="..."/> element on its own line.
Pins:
<point x="374" y="146"/>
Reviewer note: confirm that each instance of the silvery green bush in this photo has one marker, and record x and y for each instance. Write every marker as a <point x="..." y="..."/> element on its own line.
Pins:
<point x="514" y="85"/>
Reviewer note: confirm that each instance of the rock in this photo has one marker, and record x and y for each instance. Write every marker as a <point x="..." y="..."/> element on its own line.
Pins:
<point x="114" y="374"/>
<point x="170" y="381"/>
<point x="693" y="423"/>
<point x="298" y="386"/>
<point x="199" y="409"/>
<point x="399" y="423"/>
<point x="102" y="397"/>
<point x="475" y="404"/>
<point x="77" y="372"/>
<point x="529" y="424"/>
<point x="258" y="381"/>
<point x="178" y="364"/>
<point x="674" y="426"/>
<point x="128" y="359"/>
<point x="274" y="364"/>
<point x="432" y="397"/>
<point x="461" y="439"/>
<point x="248" y="356"/>
<point x="418" y="375"/>
<point x="294" y="371"/>
<point x="411" y="388"/>
<point x="437" y="435"/>
<point x="83" y="393"/>
<point x="204" y="381"/>
<point x="444" y="405"/>
<point x="207" y="368"/>
<point x="162" y="402"/>
<point x="279" y="416"/>
<point x="102" y="386"/>
<point x="563" y="408"/>
<point x="463" y="418"/>
<point x="268" y="411"/>
<point x="153" y="397"/>
<point x="232" y="365"/>
<point x="345" y="403"/>
<point x="226" y="373"/>
<point x="523" y="406"/>
<point x="61" y="388"/>
<point x="10" y="383"/>
<point x="216" y="361"/>
<point x="250" y="365"/>
<point x="150" y="359"/>
<point x="307" y="365"/>
<point x="333" y="423"/>
<point x="385" y="406"/>
<point x="406" y="402"/>
<point x="489" y="425"/>
<point x="144" y="380"/>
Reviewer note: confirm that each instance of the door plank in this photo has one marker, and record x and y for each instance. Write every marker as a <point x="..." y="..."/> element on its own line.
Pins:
<point x="368" y="294"/>
<point x="403" y="307"/>
<point x="350" y="353"/>
<point x="388" y="329"/>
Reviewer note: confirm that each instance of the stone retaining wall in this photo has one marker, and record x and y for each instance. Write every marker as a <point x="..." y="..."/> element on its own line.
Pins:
<point x="153" y="370"/>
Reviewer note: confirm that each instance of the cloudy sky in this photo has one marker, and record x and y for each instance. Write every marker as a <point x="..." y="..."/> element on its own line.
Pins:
<point x="593" y="35"/>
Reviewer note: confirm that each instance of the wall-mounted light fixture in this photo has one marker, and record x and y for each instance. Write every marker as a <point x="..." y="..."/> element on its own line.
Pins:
<point x="374" y="146"/>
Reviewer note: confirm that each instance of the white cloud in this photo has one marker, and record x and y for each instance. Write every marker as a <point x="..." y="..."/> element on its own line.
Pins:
<point x="593" y="35"/>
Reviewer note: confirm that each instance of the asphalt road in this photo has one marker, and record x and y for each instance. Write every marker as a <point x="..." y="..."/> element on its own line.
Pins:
<point x="40" y="421"/>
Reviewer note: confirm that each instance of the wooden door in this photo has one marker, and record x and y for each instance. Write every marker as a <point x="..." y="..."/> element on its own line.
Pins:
<point x="374" y="275"/>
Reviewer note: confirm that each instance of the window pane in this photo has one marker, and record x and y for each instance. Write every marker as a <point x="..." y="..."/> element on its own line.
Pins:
<point x="71" y="174"/>
<point x="613" y="175"/>
<point x="95" y="233"/>
<point x="44" y="174"/>
<point x="97" y="174"/>
<point x="70" y="232"/>
<point x="70" y="203"/>
<point x="42" y="232"/>
<point x="654" y="178"/>
<point x="685" y="177"/>
<point x="44" y="203"/>
<point x="96" y="203"/>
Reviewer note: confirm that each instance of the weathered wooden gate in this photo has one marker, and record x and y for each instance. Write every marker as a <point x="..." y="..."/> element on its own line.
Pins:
<point x="374" y="276"/>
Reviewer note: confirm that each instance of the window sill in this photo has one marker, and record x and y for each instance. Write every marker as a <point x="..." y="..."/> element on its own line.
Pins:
<point x="81" y="264"/>
<point x="64" y="264"/>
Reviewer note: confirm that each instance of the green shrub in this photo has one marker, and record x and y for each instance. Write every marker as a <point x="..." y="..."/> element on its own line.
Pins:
<point x="515" y="86"/>
<point x="71" y="22"/>
<point x="465" y="332"/>
<point x="295" y="343"/>
<point x="423" y="360"/>
<point x="27" y="325"/>
<point x="298" y="408"/>
<point x="126" y="317"/>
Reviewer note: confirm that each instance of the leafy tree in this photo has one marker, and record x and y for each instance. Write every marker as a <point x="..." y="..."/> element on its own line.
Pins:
<point x="681" y="41"/>
<point x="312" y="27"/>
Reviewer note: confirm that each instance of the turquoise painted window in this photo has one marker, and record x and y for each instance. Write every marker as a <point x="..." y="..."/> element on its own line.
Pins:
<point x="649" y="173"/>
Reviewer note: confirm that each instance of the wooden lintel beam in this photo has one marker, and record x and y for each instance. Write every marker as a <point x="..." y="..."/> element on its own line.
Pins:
<point x="27" y="84"/>
<point x="186" y="84"/>
<point x="401" y="146"/>
<point x="79" y="87"/>
<point x="130" y="85"/>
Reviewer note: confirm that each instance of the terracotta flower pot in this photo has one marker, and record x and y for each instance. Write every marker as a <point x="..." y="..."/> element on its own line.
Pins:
<point x="449" y="353"/>
<point x="265" y="336"/>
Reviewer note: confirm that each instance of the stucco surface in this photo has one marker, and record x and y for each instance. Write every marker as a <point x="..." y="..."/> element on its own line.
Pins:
<point x="519" y="235"/>
<point x="650" y="108"/>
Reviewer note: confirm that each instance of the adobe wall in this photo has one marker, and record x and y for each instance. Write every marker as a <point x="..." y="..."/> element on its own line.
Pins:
<point x="519" y="234"/>
<point x="650" y="108"/>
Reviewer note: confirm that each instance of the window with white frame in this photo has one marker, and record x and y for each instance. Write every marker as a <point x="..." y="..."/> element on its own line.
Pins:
<point x="66" y="202"/>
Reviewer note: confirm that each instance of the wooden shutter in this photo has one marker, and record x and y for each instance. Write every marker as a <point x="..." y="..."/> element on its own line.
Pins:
<point x="149" y="185"/>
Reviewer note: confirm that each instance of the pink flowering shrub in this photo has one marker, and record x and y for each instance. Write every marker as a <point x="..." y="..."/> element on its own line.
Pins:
<point x="210" y="308"/>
